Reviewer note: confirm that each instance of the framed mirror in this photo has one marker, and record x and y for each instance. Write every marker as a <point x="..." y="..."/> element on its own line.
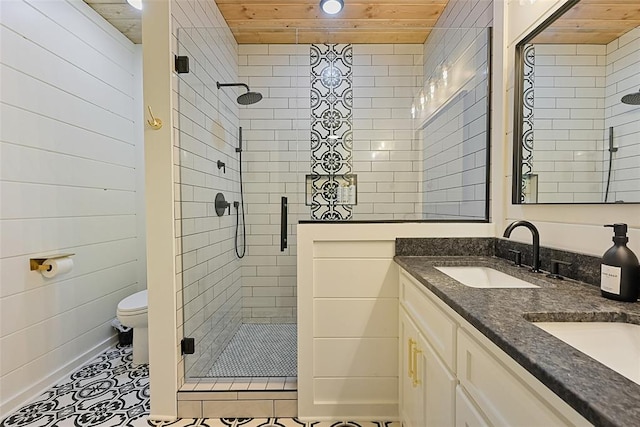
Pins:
<point x="577" y="106"/>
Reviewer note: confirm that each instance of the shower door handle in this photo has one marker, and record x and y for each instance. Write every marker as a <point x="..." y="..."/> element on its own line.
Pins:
<point x="283" y="223"/>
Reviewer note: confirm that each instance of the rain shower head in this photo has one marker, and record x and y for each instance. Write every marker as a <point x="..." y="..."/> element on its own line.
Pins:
<point x="632" y="98"/>
<point x="247" y="98"/>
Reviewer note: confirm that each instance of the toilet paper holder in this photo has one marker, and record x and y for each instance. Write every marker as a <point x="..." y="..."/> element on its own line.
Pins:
<point x="36" y="263"/>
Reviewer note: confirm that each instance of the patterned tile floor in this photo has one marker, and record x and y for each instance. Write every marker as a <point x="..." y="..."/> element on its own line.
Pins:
<point x="110" y="392"/>
<point x="276" y="422"/>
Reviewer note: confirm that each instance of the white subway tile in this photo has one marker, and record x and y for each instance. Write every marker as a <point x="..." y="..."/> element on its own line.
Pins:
<point x="361" y="60"/>
<point x="268" y="60"/>
<point x="396" y="59"/>
<point x="374" y="70"/>
<point x="582" y="60"/>
<point x="253" y="49"/>
<point x="594" y="49"/>
<point x="373" y="49"/>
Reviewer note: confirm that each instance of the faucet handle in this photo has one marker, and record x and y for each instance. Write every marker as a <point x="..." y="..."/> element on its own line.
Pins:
<point x="517" y="257"/>
<point x="555" y="269"/>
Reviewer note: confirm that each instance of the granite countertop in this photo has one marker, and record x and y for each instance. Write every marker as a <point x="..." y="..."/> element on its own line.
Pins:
<point x="599" y="394"/>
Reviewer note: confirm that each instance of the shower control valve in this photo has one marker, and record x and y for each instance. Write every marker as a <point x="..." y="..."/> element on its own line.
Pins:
<point x="221" y="204"/>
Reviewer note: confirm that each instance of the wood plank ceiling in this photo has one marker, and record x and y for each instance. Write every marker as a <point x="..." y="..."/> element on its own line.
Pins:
<point x="302" y="21"/>
<point x="593" y="22"/>
<point x="376" y="21"/>
<point x="126" y="18"/>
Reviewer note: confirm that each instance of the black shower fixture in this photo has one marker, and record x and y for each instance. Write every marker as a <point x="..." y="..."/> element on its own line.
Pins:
<point x="181" y="64"/>
<point x="246" y="98"/>
<point x="632" y="98"/>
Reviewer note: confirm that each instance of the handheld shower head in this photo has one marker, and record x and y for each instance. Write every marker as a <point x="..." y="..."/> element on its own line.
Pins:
<point x="247" y="98"/>
<point x="632" y="98"/>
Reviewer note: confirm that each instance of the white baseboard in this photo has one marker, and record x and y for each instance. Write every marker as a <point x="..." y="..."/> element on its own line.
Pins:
<point x="14" y="403"/>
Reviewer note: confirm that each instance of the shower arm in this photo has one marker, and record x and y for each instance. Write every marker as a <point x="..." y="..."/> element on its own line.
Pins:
<point x="219" y="85"/>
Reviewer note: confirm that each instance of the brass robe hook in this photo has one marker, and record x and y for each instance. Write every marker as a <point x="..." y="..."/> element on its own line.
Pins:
<point x="155" y="123"/>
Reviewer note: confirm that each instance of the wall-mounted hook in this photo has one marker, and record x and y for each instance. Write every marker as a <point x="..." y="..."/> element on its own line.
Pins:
<point x="155" y="123"/>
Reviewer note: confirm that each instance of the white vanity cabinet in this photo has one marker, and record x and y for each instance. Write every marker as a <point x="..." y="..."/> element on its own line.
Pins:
<point x="451" y="374"/>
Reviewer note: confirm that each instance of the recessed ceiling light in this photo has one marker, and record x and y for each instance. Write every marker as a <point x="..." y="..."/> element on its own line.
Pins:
<point x="135" y="3"/>
<point x="331" y="6"/>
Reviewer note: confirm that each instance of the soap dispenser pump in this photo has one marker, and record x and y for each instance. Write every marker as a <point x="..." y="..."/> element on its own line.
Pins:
<point x="620" y="271"/>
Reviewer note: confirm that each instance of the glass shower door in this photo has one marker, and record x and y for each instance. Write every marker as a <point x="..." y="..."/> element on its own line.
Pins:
<point x="239" y="301"/>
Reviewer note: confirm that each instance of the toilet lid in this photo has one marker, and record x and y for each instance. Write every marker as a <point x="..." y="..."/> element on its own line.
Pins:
<point x="133" y="303"/>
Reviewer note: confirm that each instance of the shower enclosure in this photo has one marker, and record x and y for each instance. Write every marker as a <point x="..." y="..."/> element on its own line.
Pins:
<point x="238" y="290"/>
<point x="342" y="132"/>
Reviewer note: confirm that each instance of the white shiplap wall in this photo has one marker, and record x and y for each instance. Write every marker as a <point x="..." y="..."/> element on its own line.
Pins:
<point x="70" y="155"/>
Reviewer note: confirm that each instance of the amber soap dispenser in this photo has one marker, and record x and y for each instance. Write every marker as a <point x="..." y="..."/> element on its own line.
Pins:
<point x="620" y="271"/>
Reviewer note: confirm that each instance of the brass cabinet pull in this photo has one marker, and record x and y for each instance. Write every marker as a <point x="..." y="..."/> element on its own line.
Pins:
<point x="416" y="379"/>
<point x="411" y="343"/>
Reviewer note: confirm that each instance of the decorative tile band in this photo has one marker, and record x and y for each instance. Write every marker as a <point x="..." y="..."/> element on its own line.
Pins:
<point x="331" y="128"/>
<point x="527" y="116"/>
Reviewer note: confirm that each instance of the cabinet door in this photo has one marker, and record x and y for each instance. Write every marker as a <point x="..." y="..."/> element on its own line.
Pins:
<point x="505" y="399"/>
<point x="467" y="415"/>
<point x="412" y="408"/>
<point x="427" y="391"/>
<point x="439" y="386"/>
<point x="434" y="324"/>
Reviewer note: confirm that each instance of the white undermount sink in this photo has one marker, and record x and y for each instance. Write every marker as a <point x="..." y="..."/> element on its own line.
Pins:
<point x="484" y="277"/>
<point x="616" y="345"/>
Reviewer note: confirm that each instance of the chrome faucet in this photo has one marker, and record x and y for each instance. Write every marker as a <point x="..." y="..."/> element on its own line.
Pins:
<point x="535" y="264"/>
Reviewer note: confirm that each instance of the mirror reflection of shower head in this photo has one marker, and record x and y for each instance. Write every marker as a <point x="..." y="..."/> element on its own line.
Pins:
<point x="246" y="98"/>
<point x="632" y="98"/>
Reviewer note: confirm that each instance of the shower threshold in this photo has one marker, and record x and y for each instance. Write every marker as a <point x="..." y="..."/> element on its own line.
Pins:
<point x="241" y="384"/>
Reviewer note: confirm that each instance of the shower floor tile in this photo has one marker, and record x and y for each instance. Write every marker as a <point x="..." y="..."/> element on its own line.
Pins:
<point x="259" y="350"/>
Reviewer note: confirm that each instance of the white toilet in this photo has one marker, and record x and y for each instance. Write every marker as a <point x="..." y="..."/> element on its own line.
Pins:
<point x="132" y="312"/>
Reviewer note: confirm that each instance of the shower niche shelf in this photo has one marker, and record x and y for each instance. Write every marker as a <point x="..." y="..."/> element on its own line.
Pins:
<point x="326" y="185"/>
